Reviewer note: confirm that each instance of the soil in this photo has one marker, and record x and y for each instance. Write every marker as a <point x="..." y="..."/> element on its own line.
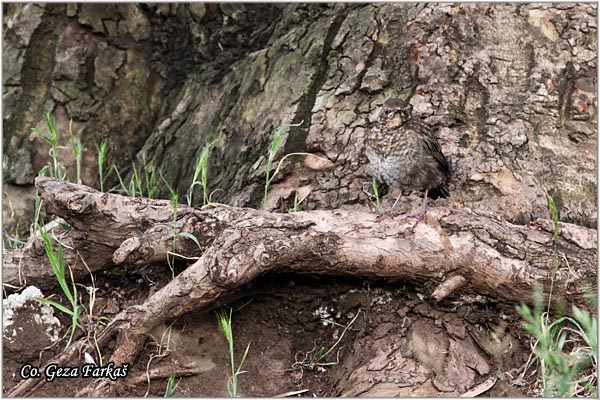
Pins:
<point x="385" y="339"/>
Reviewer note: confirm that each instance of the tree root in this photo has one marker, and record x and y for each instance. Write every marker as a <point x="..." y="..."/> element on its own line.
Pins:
<point x="474" y="253"/>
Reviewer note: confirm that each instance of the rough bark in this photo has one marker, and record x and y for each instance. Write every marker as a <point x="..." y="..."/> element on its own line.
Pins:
<point x="510" y="89"/>
<point x="454" y="247"/>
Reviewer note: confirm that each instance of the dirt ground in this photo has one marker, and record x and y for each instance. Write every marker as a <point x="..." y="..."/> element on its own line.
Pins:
<point x="393" y="346"/>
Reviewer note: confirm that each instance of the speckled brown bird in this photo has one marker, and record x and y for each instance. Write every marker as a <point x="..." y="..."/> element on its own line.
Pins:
<point x="405" y="154"/>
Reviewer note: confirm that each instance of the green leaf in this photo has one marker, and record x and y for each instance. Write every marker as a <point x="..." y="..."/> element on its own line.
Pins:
<point x="191" y="237"/>
<point x="58" y="306"/>
<point x="554" y="214"/>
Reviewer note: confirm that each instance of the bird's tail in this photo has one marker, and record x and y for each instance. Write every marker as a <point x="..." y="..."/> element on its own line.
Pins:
<point x="438" y="192"/>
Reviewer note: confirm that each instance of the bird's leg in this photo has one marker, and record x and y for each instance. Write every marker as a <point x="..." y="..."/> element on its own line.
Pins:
<point x="425" y="201"/>
<point x="397" y="199"/>
<point x="423" y="209"/>
<point x="392" y="211"/>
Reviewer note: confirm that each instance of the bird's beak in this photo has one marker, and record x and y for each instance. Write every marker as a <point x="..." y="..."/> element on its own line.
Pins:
<point x="382" y="117"/>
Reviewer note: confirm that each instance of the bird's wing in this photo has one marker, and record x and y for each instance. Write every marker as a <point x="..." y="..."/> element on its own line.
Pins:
<point x="433" y="146"/>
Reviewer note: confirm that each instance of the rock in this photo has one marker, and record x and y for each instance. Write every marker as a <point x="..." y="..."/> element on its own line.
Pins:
<point x="28" y="324"/>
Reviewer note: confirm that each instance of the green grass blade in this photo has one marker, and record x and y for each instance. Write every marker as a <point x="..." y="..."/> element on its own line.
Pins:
<point x="376" y="194"/>
<point x="56" y="305"/>
<point x="191" y="237"/>
<point x="554" y="214"/>
<point x="274" y="148"/>
<point x="243" y="359"/>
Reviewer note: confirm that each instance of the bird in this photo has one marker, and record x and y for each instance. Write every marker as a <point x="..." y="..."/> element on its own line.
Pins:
<point x="405" y="154"/>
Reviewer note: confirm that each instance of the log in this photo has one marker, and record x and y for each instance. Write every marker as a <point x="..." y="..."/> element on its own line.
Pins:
<point x="458" y="250"/>
<point x="99" y="223"/>
<point x="495" y="257"/>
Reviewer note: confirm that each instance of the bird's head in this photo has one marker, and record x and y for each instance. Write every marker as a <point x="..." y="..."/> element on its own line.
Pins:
<point x="394" y="113"/>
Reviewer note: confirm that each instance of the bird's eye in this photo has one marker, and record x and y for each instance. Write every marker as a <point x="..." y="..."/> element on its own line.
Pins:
<point x="386" y="111"/>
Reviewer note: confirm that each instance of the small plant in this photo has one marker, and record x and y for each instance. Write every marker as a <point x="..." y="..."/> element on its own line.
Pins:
<point x="57" y="263"/>
<point x="56" y="170"/>
<point x="225" y="326"/>
<point x="555" y="262"/>
<point x="163" y="348"/>
<point x="275" y="144"/>
<point x="201" y="172"/>
<point x="272" y="151"/>
<point x="129" y="190"/>
<point x="92" y="327"/>
<point x="5" y="167"/>
<point x="136" y="184"/>
<point x="37" y="211"/>
<point x="101" y="149"/>
<point x="171" y="385"/>
<point x="13" y="241"/>
<point x="97" y="346"/>
<point x="296" y="202"/>
<point x="143" y="181"/>
<point x="149" y="178"/>
<point x="561" y="366"/>
<point x="316" y="358"/>
<point x="77" y="151"/>
<point x="376" y="195"/>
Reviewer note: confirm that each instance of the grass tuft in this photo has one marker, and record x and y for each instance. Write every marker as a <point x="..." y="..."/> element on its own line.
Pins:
<point x="171" y="385"/>
<point x="376" y="195"/>
<point x="51" y="137"/>
<point x="555" y="262"/>
<point x="13" y="241"/>
<point x="558" y="348"/>
<point x="36" y="216"/>
<point x="564" y="347"/>
<point x="296" y="203"/>
<point x="101" y="149"/>
<point x="5" y="167"/>
<point x="225" y="326"/>
<point x="275" y="145"/>
<point x="57" y="263"/>
<point x="77" y="151"/>
<point x="143" y="180"/>
<point x="317" y="357"/>
<point x="201" y="171"/>
<point x="175" y="203"/>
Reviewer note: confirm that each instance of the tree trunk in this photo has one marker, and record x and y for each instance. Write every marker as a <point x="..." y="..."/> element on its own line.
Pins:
<point x="510" y="89"/>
